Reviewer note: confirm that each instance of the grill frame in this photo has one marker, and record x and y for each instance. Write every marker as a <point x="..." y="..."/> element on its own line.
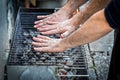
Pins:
<point x="17" y="30"/>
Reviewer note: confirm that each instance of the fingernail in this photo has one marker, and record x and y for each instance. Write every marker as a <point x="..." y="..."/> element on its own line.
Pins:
<point x="32" y="43"/>
<point x="34" y="26"/>
<point x="33" y="38"/>
<point x="38" y="35"/>
<point x="41" y="20"/>
<point x="38" y="28"/>
<point x="37" y="16"/>
<point x="34" y="48"/>
<point x="42" y="32"/>
<point x="36" y="22"/>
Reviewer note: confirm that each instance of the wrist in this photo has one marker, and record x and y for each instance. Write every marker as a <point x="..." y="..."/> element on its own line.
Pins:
<point x="65" y="44"/>
<point x="74" y="23"/>
<point x="65" y="12"/>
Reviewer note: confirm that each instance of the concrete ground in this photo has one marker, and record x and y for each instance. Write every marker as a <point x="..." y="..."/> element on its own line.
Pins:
<point x="3" y="35"/>
<point x="98" y="56"/>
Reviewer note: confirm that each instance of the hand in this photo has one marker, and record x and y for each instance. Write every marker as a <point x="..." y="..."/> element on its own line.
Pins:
<point x="55" y="17"/>
<point x="46" y="44"/>
<point x="65" y="28"/>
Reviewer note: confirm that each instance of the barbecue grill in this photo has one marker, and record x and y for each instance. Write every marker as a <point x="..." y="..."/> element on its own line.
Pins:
<point x="26" y="64"/>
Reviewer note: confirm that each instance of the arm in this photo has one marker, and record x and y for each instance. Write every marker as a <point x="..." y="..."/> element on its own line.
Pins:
<point x="68" y="26"/>
<point x="92" y="7"/>
<point x="71" y="6"/>
<point x="91" y="30"/>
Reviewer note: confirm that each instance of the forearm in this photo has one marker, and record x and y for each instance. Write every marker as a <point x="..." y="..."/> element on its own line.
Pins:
<point x="92" y="7"/>
<point x="71" y="6"/>
<point x="93" y="29"/>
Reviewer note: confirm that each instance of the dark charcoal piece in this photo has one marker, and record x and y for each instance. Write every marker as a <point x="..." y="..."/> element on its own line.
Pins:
<point x="26" y="34"/>
<point x="38" y="56"/>
<point x="48" y="57"/>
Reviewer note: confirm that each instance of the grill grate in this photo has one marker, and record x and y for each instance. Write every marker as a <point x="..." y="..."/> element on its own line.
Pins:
<point x="22" y="53"/>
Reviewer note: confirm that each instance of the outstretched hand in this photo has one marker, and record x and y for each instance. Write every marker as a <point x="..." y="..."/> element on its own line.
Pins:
<point x="64" y="28"/>
<point x="55" y="17"/>
<point x="46" y="44"/>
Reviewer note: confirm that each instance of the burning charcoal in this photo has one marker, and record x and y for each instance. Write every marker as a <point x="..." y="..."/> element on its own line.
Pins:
<point x="69" y="74"/>
<point x="59" y="57"/>
<point x="51" y="54"/>
<point x="63" y="62"/>
<point x="62" y="53"/>
<point x="53" y="58"/>
<point x="27" y="48"/>
<point x="66" y="71"/>
<point x="25" y="42"/>
<point x="44" y="55"/>
<point x="62" y="72"/>
<point x="38" y="53"/>
<point x="33" y="60"/>
<point x="32" y="34"/>
<point x="37" y="59"/>
<point x="30" y="55"/>
<point x="51" y="36"/>
<point x="24" y="58"/>
<point x="36" y="33"/>
<point x="57" y="35"/>
<point x="38" y="56"/>
<point x="65" y="57"/>
<point x="43" y="59"/>
<point x="67" y="68"/>
<point x="25" y="34"/>
<point x="48" y="58"/>
<point x="70" y="63"/>
<point x="28" y="41"/>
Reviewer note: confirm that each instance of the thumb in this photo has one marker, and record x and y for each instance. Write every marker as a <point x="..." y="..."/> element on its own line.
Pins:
<point x="42" y="17"/>
<point x="65" y="34"/>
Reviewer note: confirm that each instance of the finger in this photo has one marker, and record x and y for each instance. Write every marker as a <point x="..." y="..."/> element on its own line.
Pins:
<point x="39" y="39"/>
<point x="54" y="31"/>
<point x="44" y="49"/>
<point x="39" y="44"/>
<point x="65" y="34"/>
<point x="46" y="28"/>
<point x="51" y="22"/>
<point x="42" y="17"/>
<point x="39" y="25"/>
<point x="39" y="21"/>
<point x="43" y="37"/>
<point x="48" y="49"/>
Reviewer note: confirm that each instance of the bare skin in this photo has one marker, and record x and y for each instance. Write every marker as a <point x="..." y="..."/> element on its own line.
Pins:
<point x="58" y="27"/>
<point x="64" y="13"/>
<point x="68" y="26"/>
<point x="93" y="29"/>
